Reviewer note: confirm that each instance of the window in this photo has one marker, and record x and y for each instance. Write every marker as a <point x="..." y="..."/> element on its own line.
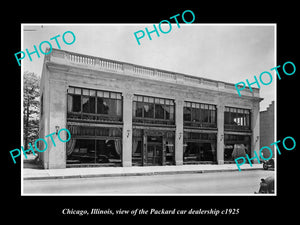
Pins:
<point x="199" y="113"/>
<point x="159" y="111"/>
<point x="74" y="103"/>
<point x="153" y="108"/>
<point x="195" y="112"/>
<point x="236" y="146"/>
<point x="148" y="110"/>
<point x="111" y="107"/>
<point x="187" y="116"/>
<point x="138" y="109"/>
<point x="212" y="114"/>
<point x="102" y="106"/>
<point x="89" y="151"/>
<point x="237" y="117"/>
<point x="88" y="104"/>
<point x="87" y="101"/>
<point x="199" y="147"/>
<point x="169" y="109"/>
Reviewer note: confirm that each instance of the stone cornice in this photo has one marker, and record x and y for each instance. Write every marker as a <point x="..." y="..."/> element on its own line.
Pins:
<point x="61" y="60"/>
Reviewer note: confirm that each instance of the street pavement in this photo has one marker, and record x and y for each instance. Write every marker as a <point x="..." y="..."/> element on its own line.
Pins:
<point x="226" y="182"/>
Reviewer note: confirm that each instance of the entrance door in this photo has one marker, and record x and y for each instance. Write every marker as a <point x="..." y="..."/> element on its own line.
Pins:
<point x="154" y="151"/>
<point x="154" y="155"/>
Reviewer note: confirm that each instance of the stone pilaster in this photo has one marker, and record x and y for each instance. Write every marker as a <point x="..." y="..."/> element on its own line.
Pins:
<point x="57" y="117"/>
<point x="179" y="132"/>
<point x="127" y="129"/>
<point x="220" y="135"/>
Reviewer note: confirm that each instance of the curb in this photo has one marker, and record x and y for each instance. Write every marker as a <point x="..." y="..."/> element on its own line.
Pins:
<point x="135" y="174"/>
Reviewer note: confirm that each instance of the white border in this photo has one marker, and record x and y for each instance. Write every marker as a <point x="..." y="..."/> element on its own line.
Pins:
<point x="140" y="194"/>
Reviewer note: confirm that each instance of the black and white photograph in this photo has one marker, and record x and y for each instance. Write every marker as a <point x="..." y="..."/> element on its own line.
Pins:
<point x="153" y="115"/>
<point x="137" y="113"/>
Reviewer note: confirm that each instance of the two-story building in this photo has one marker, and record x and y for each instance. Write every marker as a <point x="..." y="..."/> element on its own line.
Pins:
<point x="121" y="114"/>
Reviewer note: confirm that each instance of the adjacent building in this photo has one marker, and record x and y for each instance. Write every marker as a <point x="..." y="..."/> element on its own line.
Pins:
<point x="121" y="114"/>
<point x="267" y="135"/>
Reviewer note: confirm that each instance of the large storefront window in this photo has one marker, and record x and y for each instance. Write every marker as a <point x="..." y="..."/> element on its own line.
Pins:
<point x="199" y="115"/>
<point x="199" y="148"/>
<point x="169" y="149"/>
<point x="153" y="110"/>
<point x="236" y="146"/>
<point x="88" y="104"/>
<point x="105" y="152"/>
<point x="236" y="119"/>
<point x="137" y="147"/>
<point x="94" y="145"/>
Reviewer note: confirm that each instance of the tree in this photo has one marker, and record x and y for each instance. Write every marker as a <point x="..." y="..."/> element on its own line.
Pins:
<point x="31" y="107"/>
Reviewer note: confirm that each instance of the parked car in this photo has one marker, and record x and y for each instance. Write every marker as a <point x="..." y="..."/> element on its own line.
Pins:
<point x="268" y="164"/>
<point x="266" y="186"/>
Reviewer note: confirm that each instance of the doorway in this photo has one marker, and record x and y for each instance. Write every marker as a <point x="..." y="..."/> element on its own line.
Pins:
<point x="154" y="151"/>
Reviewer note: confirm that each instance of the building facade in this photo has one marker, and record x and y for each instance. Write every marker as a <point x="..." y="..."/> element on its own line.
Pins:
<point x="267" y="135"/>
<point x="120" y="114"/>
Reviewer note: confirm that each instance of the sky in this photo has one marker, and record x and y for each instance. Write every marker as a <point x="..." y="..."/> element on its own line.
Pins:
<point x="226" y="52"/>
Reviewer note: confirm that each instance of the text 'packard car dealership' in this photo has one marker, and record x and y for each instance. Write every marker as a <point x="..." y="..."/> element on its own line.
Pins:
<point x="121" y="114"/>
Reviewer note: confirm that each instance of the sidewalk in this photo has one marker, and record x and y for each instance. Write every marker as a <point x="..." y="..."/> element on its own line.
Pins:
<point x="33" y="173"/>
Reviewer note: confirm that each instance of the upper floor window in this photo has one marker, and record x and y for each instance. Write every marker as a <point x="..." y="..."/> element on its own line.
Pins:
<point x="88" y="101"/>
<point x="153" y="108"/>
<point x="236" y="117"/>
<point x="199" y="113"/>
